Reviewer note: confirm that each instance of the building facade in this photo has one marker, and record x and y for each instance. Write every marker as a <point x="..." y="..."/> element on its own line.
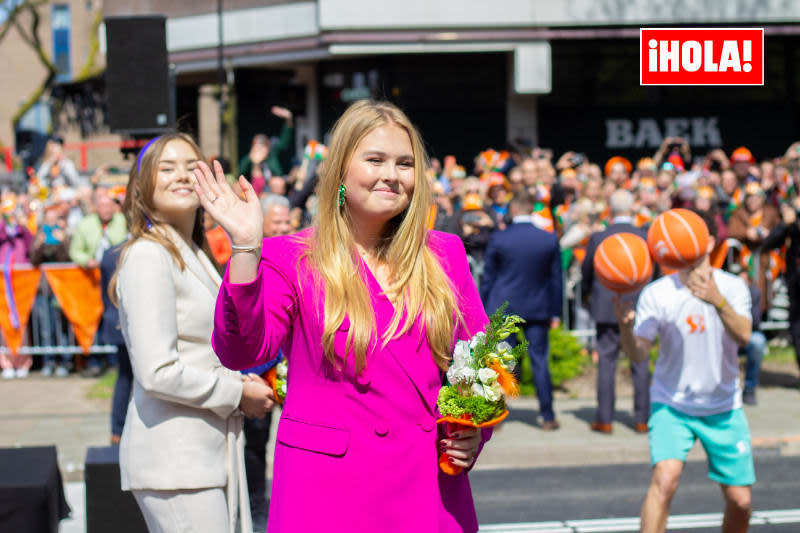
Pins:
<point x="474" y="74"/>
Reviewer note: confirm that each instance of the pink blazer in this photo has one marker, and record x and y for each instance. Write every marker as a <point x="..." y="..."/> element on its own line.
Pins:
<point x="353" y="452"/>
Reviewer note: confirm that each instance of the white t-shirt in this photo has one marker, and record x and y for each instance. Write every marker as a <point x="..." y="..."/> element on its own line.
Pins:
<point x="697" y="371"/>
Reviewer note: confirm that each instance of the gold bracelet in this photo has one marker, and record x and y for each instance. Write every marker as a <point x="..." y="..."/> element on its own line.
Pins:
<point x="722" y="304"/>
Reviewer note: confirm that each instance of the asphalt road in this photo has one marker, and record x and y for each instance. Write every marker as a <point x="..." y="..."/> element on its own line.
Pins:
<point x="565" y="499"/>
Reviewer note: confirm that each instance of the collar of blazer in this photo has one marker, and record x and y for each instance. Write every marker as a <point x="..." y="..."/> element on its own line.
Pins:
<point x="405" y="349"/>
<point x="196" y="261"/>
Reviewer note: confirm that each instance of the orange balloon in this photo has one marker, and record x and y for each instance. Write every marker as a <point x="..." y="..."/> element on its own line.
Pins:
<point x="622" y="262"/>
<point x="678" y="238"/>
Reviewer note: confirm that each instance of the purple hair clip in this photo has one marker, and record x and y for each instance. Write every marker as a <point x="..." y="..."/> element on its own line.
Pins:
<point x="142" y="151"/>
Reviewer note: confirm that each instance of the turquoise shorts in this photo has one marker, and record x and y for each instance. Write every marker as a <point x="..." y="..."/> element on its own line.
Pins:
<point x="724" y="436"/>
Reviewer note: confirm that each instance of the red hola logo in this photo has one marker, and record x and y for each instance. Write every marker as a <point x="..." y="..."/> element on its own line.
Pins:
<point x="701" y="56"/>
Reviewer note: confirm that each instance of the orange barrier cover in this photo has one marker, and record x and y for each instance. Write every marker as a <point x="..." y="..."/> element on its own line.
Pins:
<point x="25" y="284"/>
<point x="78" y="293"/>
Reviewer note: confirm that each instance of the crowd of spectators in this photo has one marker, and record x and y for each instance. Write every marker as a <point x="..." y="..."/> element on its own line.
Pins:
<point x="64" y="217"/>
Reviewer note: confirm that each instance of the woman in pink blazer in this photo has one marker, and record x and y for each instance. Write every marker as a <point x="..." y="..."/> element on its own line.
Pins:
<point x="367" y="306"/>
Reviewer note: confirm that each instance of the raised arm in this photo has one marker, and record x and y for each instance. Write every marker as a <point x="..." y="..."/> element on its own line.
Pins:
<point x="249" y="325"/>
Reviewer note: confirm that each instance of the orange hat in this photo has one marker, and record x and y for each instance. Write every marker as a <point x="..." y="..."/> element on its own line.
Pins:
<point x="496" y="179"/>
<point x="742" y="155"/>
<point x="646" y="163"/>
<point x="617" y="159"/>
<point x="753" y="189"/>
<point x="117" y="192"/>
<point x="472" y="202"/>
<point x="705" y="192"/>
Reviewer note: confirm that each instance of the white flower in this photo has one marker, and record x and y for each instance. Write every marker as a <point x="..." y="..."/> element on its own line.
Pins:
<point x="283" y="389"/>
<point x="452" y="375"/>
<point x="467" y="373"/>
<point x="479" y="338"/>
<point x="487" y="376"/>
<point x="503" y="347"/>
<point x="510" y="365"/>
<point x="477" y="390"/>
<point x="461" y="354"/>
<point x="281" y="369"/>
<point x="493" y="392"/>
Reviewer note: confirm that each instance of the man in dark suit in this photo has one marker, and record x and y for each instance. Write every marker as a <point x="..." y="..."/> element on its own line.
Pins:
<point x="109" y="333"/>
<point x="523" y="267"/>
<point x="601" y="302"/>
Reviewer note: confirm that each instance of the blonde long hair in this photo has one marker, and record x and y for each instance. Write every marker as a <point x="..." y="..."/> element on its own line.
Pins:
<point x="415" y="274"/>
<point x="140" y="211"/>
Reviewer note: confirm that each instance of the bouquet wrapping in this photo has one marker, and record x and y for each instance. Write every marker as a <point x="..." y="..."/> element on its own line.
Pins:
<point x="480" y="377"/>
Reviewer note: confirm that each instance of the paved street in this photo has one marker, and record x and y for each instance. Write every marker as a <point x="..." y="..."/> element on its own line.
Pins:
<point x="525" y="476"/>
<point x="608" y="498"/>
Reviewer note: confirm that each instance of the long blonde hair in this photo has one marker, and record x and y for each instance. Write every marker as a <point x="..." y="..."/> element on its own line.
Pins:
<point x="415" y="275"/>
<point x="140" y="211"/>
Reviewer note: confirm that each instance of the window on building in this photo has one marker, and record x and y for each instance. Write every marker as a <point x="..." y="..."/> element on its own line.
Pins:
<point x="61" y="26"/>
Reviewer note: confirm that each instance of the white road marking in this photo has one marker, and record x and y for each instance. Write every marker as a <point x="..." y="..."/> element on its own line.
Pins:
<point x="676" y="522"/>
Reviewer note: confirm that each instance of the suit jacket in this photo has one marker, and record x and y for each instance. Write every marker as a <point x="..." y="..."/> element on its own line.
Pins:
<point x="523" y="267"/>
<point x="601" y="300"/>
<point x="109" y="331"/>
<point x="362" y="447"/>
<point x="183" y="427"/>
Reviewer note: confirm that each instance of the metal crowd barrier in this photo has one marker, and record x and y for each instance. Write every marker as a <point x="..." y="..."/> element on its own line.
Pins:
<point x="48" y="331"/>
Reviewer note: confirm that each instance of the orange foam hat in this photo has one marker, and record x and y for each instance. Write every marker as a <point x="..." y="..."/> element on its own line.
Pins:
<point x="617" y="159"/>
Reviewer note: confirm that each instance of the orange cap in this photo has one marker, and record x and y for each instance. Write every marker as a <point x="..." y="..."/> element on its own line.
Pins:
<point x="618" y="159"/>
<point x="496" y="179"/>
<point x="646" y="163"/>
<point x="742" y="155"/>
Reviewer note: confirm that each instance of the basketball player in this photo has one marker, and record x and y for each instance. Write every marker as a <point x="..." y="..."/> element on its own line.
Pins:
<point x="700" y="316"/>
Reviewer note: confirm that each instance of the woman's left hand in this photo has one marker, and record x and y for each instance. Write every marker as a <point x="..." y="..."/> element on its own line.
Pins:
<point x="461" y="445"/>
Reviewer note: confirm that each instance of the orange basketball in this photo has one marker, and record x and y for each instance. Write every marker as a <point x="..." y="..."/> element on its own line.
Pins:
<point x="678" y="238"/>
<point x="622" y="262"/>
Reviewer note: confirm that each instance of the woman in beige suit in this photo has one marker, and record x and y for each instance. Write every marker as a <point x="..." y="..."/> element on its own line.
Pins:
<point x="181" y="452"/>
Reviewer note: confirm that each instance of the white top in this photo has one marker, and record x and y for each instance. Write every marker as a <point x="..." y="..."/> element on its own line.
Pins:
<point x="697" y="371"/>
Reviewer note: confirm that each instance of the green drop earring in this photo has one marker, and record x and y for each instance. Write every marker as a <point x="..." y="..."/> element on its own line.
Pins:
<point x="342" y="194"/>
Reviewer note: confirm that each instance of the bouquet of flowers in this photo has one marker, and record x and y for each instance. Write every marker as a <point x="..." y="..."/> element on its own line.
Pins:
<point x="480" y="377"/>
<point x="276" y="378"/>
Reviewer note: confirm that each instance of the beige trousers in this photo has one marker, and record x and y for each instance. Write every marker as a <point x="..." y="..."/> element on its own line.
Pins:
<point x="184" y="511"/>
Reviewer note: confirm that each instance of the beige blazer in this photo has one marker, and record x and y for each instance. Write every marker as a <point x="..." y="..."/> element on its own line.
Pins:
<point x="183" y="429"/>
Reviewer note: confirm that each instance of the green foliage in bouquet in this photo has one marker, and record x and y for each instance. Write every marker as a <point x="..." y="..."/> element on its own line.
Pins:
<point x="477" y="408"/>
<point x="481" y="371"/>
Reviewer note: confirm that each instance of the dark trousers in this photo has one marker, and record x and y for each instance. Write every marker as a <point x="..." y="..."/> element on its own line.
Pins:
<point x="536" y="332"/>
<point x="794" y="324"/>
<point x="256" y="436"/>
<point x="122" y="391"/>
<point x="608" y="347"/>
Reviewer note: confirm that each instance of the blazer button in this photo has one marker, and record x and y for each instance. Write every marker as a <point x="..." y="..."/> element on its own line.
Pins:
<point x="381" y="429"/>
<point x="427" y="425"/>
